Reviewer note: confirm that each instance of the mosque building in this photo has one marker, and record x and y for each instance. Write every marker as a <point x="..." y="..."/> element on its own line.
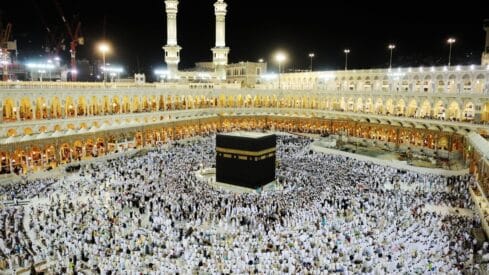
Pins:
<point x="440" y="111"/>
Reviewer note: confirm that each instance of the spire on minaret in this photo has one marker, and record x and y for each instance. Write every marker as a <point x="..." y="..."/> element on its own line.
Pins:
<point x="172" y="50"/>
<point x="220" y="51"/>
<point x="485" y="54"/>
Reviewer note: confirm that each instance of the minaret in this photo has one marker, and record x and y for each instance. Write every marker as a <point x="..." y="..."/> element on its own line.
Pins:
<point x="172" y="50"/>
<point x="220" y="51"/>
<point x="485" y="54"/>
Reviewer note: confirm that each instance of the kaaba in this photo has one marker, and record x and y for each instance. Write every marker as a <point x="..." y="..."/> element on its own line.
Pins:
<point x="246" y="159"/>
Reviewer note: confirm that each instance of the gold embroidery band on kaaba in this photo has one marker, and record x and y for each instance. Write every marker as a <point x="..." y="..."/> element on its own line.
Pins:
<point x="244" y="152"/>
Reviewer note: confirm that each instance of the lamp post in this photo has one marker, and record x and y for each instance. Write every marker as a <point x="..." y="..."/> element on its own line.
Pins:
<point x="280" y="57"/>
<point x="50" y="62"/>
<point x="450" y="41"/>
<point x="41" y="72"/>
<point x="104" y="48"/>
<point x="346" y="51"/>
<point x="391" y="48"/>
<point x="311" y="55"/>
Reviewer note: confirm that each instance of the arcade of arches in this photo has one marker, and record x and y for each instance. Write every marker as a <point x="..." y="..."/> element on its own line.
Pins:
<point x="42" y="108"/>
<point x="32" y="156"/>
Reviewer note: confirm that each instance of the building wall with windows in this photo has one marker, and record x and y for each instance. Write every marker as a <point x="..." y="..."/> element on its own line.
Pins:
<point x="248" y="74"/>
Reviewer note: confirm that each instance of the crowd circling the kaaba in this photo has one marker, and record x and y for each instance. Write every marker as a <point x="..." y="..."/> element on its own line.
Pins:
<point x="151" y="215"/>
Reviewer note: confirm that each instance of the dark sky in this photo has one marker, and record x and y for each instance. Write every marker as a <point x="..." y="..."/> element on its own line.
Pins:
<point x="257" y="28"/>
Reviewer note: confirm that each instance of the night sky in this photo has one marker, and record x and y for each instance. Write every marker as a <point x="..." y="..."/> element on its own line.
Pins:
<point x="257" y="28"/>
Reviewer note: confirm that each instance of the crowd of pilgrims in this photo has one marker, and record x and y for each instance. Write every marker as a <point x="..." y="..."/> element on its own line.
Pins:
<point x="151" y="215"/>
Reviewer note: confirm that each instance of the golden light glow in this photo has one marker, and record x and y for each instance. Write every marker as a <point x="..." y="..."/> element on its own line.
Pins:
<point x="104" y="47"/>
<point x="280" y="57"/>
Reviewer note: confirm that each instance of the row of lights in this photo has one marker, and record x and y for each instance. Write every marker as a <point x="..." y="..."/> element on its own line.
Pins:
<point x="391" y="47"/>
<point x="103" y="47"/>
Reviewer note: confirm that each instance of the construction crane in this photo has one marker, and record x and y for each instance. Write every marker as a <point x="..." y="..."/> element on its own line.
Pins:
<point x="54" y="43"/>
<point x="54" y="40"/>
<point x="5" y="46"/>
<point x="75" y="37"/>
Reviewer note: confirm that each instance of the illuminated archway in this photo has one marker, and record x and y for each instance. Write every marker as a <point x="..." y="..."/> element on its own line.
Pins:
<point x="19" y="162"/>
<point x="136" y="105"/>
<point x="144" y="104"/>
<point x="78" y="150"/>
<point x="485" y="112"/>
<point x="468" y="112"/>
<point x="94" y="106"/>
<point x="412" y="108"/>
<point x="439" y="110"/>
<point x="50" y="156"/>
<point x="4" y="163"/>
<point x="35" y="158"/>
<point x="100" y="144"/>
<point x="9" y="110"/>
<point x="65" y="153"/>
<point x="41" y="108"/>
<point x="70" y="108"/>
<point x="368" y="105"/>
<point x="480" y="82"/>
<point x="389" y="107"/>
<point x="106" y="105"/>
<point x="116" y="106"/>
<point x="379" y="106"/>
<point x="82" y="106"/>
<point x="126" y="105"/>
<point x="359" y="107"/>
<point x="425" y="110"/>
<point x="25" y="109"/>
<point x="453" y="111"/>
<point x="401" y="107"/>
<point x="55" y="111"/>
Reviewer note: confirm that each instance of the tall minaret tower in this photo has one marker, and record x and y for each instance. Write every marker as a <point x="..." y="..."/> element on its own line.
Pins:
<point x="172" y="50"/>
<point x="220" y="51"/>
<point x="485" y="54"/>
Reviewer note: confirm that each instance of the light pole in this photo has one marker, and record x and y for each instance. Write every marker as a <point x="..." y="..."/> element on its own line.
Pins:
<point x="50" y="62"/>
<point x="346" y="51"/>
<point x="280" y="57"/>
<point x="450" y="41"/>
<point x="104" y="48"/>
<point x="391" y="48"/>
<point x="311" y="55"/>
<point x="41" y="72"/>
